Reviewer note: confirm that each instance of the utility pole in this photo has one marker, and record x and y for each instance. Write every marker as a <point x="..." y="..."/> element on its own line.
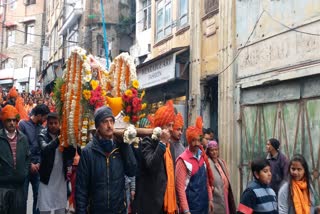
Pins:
<point x="4" y="5"/>
<point x="105" y="38"/>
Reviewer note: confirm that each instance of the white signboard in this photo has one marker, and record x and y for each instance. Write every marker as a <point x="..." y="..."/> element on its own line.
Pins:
<point x="157" y="72"/>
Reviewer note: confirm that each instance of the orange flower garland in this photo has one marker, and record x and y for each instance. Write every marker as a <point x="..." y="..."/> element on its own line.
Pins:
<point x="84" y="88"/>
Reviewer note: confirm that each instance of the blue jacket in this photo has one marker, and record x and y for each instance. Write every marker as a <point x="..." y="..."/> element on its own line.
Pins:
<point x="100" y="182"/>
<point x="31" y="130"/>
<point x="258" y="198"/>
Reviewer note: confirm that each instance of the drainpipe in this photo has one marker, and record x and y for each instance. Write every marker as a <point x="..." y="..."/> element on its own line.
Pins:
<point x="105" y="38"/>
<point x="43" y="31"/>
<point x="195" y="59"/>
<point x="87" y="38"/>
<point x="2" y="29"/>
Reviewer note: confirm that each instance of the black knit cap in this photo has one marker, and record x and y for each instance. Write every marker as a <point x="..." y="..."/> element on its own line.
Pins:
<point x="275" y="143"/>
<point x="54" y="115"/>
<point x="102" y="113"/>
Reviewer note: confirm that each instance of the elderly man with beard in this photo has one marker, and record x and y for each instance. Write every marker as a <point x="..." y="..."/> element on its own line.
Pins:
<point x="104" y="162"/>
<point x="194" y="177"/>
<point x="14" y="163"/>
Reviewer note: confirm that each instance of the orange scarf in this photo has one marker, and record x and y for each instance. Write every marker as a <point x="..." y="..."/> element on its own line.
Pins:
<point x="300" y="197"/>
<point x="170" y="201"/>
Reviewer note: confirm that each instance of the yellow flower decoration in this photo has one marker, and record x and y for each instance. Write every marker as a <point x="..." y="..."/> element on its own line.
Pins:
<point x="128" y="93"/>
<point x="135" y="84"/>
<point x="87" y="78"/>
<point x="142" y="94"/>
<point x="143" y="106"/>
<point x="142" y="116"/>
<point x="86" y="94"/>
<point x="94" y="84"/>
<point x="84" y="57"/>
<point x="103" y="93"/>
<point x="126" y="119"/>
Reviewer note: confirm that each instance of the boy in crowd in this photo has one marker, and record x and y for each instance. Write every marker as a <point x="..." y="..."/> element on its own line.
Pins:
<point x="258" y="197"/>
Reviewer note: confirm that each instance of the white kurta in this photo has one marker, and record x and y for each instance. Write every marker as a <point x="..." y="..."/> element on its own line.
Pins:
<point x="54" y="195"/>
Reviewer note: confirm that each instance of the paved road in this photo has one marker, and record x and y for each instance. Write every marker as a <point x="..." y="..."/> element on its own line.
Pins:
<point x="30" y="201"/>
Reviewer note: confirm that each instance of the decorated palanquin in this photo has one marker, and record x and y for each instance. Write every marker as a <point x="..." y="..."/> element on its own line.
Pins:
<point x="86" y="85"/>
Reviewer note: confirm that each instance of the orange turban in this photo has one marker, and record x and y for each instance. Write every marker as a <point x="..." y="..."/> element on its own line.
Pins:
<point x="9" y="112"/>
<point x="20" y="107"/>
<point x="178" y="122"/>
<point x="164" y="115"/>
<point x="13" y="92"/>
<point x="194" y="131"/>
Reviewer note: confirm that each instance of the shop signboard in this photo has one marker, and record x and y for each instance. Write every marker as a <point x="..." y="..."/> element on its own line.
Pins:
<point x="157" y="72"/>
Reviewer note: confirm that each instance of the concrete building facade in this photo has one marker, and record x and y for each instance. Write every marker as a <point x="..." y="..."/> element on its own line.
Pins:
<point x="21" y="42"/>
<point x="277" y="74"/>
<point x="79" y="23"/>
<point x="162" y="51"/>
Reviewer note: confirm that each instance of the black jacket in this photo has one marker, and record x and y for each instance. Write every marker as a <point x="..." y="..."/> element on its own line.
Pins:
<point x="10" y="176"/>
<point x="48" y="148"/>
<point x="153" y="177"/>
<point x="100" y="182"/>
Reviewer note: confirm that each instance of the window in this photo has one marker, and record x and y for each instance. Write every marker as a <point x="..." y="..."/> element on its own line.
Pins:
<point x="146" y="14"/>
<point x="27" y="61"/>
<point x="13" y="4"/>
<point x="72" y="39"/>
<point x="211" y="5"/>
<point x="9" y="63"/>
<point x="29" y="36"/>
<point x="10" y="37"/>
<point x="28" y="2"/>
<point x="163" y="19"/>
<point x="183" y="13"/>
<point x="1" y="8"/>
<point x="100" y="47"/>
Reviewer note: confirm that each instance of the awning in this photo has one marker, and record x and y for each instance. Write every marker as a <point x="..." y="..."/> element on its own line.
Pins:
<point x="28" y="19"/>
<point x="7" y="73"/>
<point x="26" y="79"/>
<point x="51" y="71"/>
<point x="6" y="81"/>
<point x="160" y="69"/>
<point x="71" y="20"/>
<point x="10" y="24"/>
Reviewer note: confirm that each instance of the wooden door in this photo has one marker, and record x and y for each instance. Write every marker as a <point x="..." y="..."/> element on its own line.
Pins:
<point x="297" y="126"/>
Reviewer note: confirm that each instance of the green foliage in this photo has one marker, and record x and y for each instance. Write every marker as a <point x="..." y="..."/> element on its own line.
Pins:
<point x="57" y="95"/>
<point x="126" y="24"/>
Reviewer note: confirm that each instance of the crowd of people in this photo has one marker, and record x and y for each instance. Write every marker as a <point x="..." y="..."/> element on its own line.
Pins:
<point x="30" y="100"/>
<point x="156" y="174"/>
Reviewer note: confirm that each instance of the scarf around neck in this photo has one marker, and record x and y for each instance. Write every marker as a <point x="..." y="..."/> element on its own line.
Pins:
<point x="300" y="197"/>
<point x="170" y="201"/>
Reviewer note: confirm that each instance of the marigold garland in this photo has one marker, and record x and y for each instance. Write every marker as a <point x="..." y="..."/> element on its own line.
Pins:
<point x="84" y="88"/>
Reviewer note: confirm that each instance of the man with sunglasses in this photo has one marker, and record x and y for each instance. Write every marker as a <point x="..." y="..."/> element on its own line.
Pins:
<point x="14" y="163"/>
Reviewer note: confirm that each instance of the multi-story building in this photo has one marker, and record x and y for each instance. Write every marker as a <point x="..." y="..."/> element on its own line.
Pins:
<point x="21" y="42"/>
<point x="79" y="23"/>
<point x="163" y="58"/>
<point x="176" y="47"/>
<point x="141" y="49"/>
<point x="277" y="76"/>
